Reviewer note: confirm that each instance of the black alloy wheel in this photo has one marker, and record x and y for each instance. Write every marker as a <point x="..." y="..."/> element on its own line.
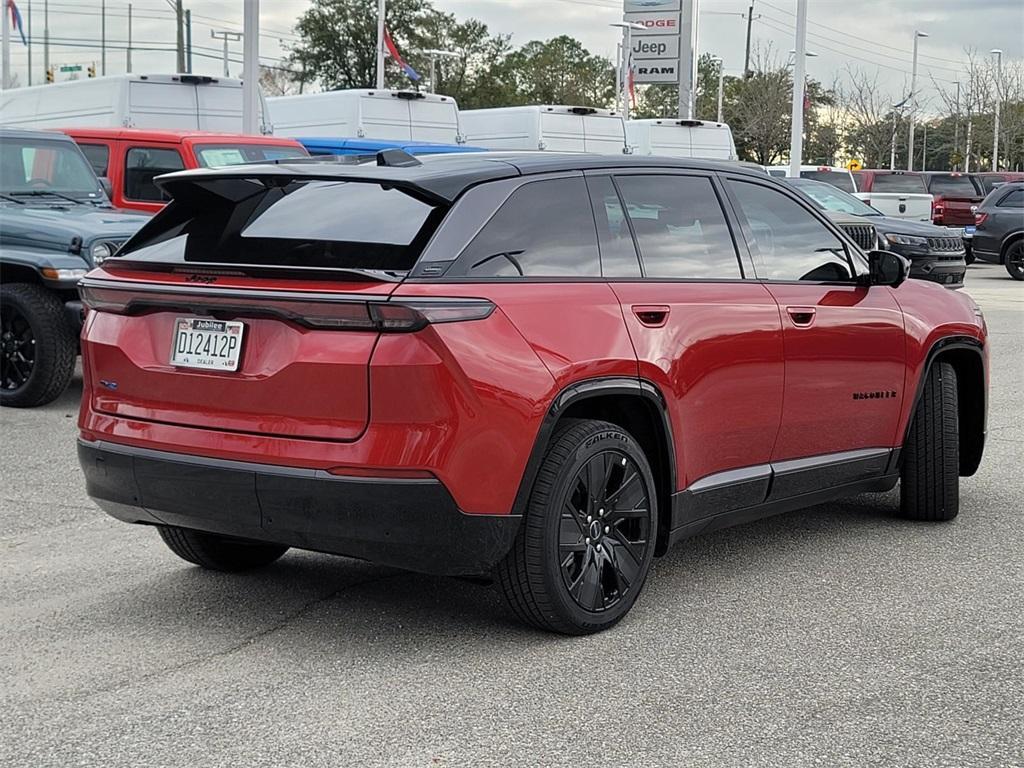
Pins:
<point x="17" y="349"/>
<point x="587" y="540"/>
<point x="37" y="346"/>
<point x="605" y="531"/>
<point x="1015" y="260"/>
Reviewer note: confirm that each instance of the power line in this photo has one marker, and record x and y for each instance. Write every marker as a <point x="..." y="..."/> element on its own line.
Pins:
<point x="845" y="36"/>
<point x="766" y="22"/>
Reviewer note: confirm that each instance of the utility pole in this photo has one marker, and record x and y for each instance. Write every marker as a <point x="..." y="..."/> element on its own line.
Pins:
<point x="251" y="67"/>
<point x="188" y="41"/>
<point x="913" y="101"/>
<point x="28" y="9"/>
<point x="103" y="37"/>
<point x="5" y="78"/>
<point x="381" y="8"/>
<point x="967" y="152"/>
<point x="179" y="18"/>
<point x="796" y="138"/>
<point x="999" y="87"/>
<point x="128" y="51"/>
<point x="956" y="127"/>
<point x="225" y="35"/>
<point x="721" y="84"/>
<point x="46" y="35"/>
<point x="746" y="57"/>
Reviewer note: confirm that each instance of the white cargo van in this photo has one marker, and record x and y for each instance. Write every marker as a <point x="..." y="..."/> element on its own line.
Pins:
<point x="681" y="138"/>
<point x="165" y="102"/>
<point x="370" y="114"/>
<point x="556" y="128"/>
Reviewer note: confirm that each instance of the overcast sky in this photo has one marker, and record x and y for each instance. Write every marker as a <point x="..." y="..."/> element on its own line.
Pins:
<point x="875" y="35"/>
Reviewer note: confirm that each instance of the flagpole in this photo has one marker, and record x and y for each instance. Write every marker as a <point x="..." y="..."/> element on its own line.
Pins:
<point x="380" y="43"/>
<point x="6" y="53"/>
<point x="28" y="10"/>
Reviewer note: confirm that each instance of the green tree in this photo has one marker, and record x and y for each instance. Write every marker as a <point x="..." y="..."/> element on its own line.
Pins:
<point x="338" y="46"/>
<point x="559" y="71"/>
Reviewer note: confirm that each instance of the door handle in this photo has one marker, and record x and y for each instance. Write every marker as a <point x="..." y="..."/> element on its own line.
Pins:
<point x="651" y="315"/>
<point x="801" y="316"/>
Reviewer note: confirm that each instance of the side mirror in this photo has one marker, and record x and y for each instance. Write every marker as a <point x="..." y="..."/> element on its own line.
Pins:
<point x="887" y="268"/>
<point x="107" y="187"/>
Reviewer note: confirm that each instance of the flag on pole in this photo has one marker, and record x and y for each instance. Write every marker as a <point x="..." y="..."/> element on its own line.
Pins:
<point x="411" y="73"/>
<point x="12" y="8"/>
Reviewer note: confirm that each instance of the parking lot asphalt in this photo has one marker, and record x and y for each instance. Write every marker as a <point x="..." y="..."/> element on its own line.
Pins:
<point x="836" y="636"/>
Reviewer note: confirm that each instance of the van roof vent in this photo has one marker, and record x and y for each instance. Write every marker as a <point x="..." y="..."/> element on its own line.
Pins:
<point x="583" y="110"/>
<point x="411" y="95"/>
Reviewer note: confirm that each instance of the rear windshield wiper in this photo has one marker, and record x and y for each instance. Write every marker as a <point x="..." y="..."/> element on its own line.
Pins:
<point x="44" y="192"/>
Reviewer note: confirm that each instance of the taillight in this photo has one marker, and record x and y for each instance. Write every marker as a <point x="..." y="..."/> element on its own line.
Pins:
<point x="319" y="311"/>
<point x="980" y="218"/>
<point x="938" y="210"/>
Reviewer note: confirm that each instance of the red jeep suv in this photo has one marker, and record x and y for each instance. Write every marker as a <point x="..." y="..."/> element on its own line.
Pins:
<point x="540" y="368"/>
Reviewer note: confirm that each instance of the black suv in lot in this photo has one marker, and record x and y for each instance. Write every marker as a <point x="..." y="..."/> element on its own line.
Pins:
<point x="999" y="237"/>
<point x="935" y="253"/>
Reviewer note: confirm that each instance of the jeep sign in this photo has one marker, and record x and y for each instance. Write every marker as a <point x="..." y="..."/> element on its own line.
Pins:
<point x="656" y="49"/>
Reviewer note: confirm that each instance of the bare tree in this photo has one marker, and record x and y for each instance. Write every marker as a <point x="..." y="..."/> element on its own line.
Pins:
<point x="278" y="81"/>
<point x="871" y="117"/>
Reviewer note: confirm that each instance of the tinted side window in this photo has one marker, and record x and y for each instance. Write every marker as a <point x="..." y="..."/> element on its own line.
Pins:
<point x="788" y="242"/>
<point x="680" y="227"/>
<point x="142" y="165"/>
<point x="618" y="251"/>
<point x="1013" y="200"/>
<point x="98" y="156"/>
<point x="545" y="229"/>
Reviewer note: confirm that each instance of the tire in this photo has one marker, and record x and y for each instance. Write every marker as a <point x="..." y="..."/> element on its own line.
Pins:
<point x="37" y="347"/>
<point x="930" y="475"/>
<point x="585" y="547"/>
<point x="969" y="256"/>
<point x="1015" y="260"/>
<point x="219" y="553"/>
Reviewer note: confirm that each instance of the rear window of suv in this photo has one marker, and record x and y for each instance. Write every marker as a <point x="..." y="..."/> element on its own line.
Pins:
<point x="840" y="179"/>
<point x="898" y="182"/>
<point x="952" y="186"/>
<point x="319" y="224"/>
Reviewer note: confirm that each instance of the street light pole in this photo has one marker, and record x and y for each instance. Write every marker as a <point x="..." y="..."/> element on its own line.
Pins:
<point x="721" y="84"/>
<point x="796" y="129"/>
<point x="225" y="35"/>
<point x="251" y="67"/>
<point x="956" y="127"/>
<point x="999" y="87"/>
<point x="434" y="55"/>
<point x="913" y="103"/>
<point x="381" y="8"/>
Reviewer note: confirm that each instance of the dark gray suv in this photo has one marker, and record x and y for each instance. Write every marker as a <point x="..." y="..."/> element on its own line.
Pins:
<point x="999" y="237"/>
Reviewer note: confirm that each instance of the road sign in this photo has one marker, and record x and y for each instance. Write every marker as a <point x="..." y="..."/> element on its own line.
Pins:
<point x="854" y="165"/>
<point x="70" y="67"/>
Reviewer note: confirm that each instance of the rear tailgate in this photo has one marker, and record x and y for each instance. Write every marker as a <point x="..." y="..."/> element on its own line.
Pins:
<point x="955" y="194"/>
<point x="251" y="303"/>
<point x="291" y="379"/>
<point x="915" y="207"/>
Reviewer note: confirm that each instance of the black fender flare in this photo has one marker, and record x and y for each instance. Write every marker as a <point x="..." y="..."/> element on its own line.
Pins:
<point x="946" y="344"/>
<point x="623" y="386"/>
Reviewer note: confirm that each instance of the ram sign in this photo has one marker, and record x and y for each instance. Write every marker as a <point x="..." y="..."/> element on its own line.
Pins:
<point x="655" y="51"/>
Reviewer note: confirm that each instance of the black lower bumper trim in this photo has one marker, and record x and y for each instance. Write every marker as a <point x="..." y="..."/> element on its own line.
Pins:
<point x="412" y="524"/>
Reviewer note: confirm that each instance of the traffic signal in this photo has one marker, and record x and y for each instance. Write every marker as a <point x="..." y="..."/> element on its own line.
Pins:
<point x="92" y="70"/>
<point x="49" y="75"/>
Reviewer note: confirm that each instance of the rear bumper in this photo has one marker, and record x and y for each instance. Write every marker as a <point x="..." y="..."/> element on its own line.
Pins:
<point x="406" y="523"/>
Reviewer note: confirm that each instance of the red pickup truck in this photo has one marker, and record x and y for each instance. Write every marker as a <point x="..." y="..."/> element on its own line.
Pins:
<point x="130" y="158"/>
<point x="953" y="195"/>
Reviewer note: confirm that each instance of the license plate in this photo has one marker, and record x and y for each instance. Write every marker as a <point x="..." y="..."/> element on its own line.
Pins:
<point x="968" y="231"/>
<point x="213" y="345"/>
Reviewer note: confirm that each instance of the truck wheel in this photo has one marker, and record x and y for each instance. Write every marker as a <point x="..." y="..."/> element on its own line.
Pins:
<point x="1015" y="260"/>
<point x="37" y="348"/>
<point x="585" y="547"/>
<point x="219" y="553"/>
<point x="930" y="475"/>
